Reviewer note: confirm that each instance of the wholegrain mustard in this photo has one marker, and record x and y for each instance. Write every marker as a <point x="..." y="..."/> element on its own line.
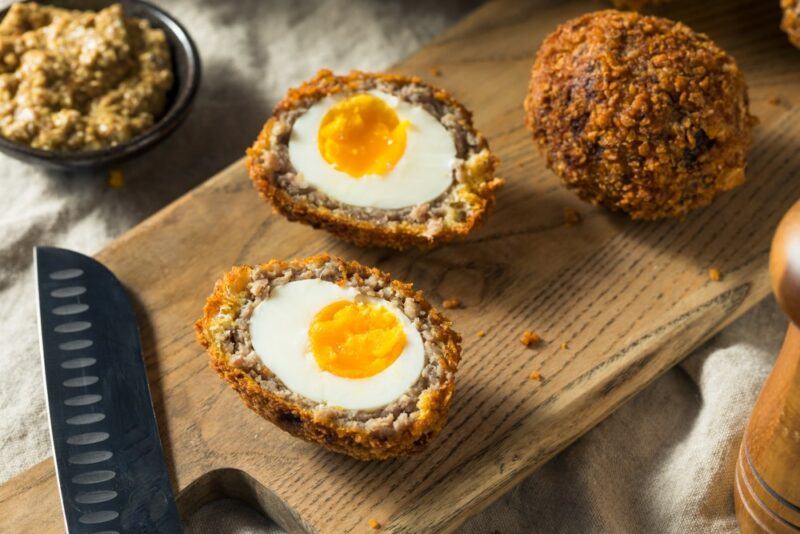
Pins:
<point x="79" y="80"/>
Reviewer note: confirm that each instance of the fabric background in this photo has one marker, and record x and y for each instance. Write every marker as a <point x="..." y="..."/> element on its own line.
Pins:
<point x="662" y="463"/>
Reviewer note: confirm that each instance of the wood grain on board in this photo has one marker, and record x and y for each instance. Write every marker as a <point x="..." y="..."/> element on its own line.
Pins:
<point x="630" y="299"/>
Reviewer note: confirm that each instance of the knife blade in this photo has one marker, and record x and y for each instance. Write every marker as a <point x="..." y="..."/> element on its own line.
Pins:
<point x="108" y="456"/>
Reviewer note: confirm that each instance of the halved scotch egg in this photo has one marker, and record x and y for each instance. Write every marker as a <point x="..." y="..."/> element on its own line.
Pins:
<point x="377" y="159"/>
<point x="334" y="353"/>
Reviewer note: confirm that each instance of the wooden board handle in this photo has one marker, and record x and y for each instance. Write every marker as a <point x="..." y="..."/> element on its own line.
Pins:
<point x="767" y="479"/>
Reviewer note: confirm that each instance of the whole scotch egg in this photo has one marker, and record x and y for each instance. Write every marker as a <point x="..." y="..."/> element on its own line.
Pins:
<point x="377" y="159"/>
<point x="639" y="114"/>
<point x="334" y="353"/>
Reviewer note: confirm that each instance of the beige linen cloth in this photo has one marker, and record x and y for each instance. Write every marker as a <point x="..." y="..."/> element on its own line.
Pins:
<point x="662" y="463"/>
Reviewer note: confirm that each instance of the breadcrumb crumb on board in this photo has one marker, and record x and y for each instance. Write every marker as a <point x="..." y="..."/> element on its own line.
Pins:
<point x="529" y="338"/>
<point x="374" y="525"/>
<point x="714" y="274"/>
<point x="481" y="333"/>
<point x="571" y="217"/>
<point x="451" y="304"/>
<point x="535" y="375"/>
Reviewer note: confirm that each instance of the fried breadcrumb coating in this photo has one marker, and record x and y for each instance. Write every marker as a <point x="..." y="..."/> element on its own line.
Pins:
<point x="639" y="114"/>
<point x="791" y="20"/>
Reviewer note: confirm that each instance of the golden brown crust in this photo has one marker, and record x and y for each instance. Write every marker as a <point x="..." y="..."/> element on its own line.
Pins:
<point x="230" y="293"/>
<point x="791" y="20"/>
<point x="480" y="179"/>
<point x="639" y="114"/>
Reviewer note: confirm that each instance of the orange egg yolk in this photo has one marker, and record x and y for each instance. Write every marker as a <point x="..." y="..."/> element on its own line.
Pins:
<point x="362" y="135"/>
<point x="355" y="339"/>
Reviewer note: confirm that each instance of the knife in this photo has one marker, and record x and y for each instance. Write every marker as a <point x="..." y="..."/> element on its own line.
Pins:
<point x="109" y="462"/>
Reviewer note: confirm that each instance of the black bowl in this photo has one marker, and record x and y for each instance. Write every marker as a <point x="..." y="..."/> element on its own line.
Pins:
<point x="186" y="71"/>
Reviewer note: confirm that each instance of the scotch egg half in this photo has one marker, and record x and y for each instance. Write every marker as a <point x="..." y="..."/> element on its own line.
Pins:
<point x="376" y="159"/>
<point x="334" y="353"/>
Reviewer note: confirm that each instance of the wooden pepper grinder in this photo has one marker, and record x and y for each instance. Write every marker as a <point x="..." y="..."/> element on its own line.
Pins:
<point x="767" y="482"/>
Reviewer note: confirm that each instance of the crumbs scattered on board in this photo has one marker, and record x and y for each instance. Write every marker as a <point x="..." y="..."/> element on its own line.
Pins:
<point x="435" y="71"/>
<point x="565" y="345"/>
<point x="481" y="333"/>
<point x="535" y="375"/>
<point x="530" y="338"/>
<point x="451" y="304"/>
<point x="571" y="217"/>
<point x="714" y="274"/>
<point x="116" y="180"/>
<point x="374" y="525"/>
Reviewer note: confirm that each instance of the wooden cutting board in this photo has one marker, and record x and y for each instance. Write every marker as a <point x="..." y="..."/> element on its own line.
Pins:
<point x="630" y="299"/>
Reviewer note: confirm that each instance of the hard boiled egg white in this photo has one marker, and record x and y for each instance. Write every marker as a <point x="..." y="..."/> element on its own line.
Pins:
<point x="371" y="352"/>
<point x="373" y="150"/>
